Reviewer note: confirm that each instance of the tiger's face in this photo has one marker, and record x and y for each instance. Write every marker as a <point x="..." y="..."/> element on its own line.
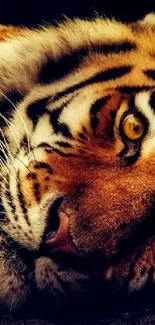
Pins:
<point x="78" y="150"/>
<point x="84" y="188"/>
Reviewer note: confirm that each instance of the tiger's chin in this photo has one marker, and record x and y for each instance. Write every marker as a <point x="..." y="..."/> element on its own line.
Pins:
<point x="61" y="280"/>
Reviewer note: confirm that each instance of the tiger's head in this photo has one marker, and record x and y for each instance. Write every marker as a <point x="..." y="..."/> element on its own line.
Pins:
<point x="77" y="115"/>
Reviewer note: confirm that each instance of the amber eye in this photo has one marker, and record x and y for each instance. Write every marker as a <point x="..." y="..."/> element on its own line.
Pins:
<point x="133" y="127"/>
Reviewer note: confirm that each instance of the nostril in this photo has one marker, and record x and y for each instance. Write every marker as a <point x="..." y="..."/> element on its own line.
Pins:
<point x="53" y="220"/>
<point x="62" y="242"/>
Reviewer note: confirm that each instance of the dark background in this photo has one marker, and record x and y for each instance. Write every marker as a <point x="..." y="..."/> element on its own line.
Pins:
<point x="33" y="13"/>
<point x="37" y="12"/>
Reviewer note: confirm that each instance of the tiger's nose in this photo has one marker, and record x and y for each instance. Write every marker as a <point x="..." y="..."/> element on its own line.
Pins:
<point x="58" y="239"/>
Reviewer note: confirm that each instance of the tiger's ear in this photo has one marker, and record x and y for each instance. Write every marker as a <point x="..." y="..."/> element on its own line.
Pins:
<point x="148" y="19"/>
<point x="7" y="32"/>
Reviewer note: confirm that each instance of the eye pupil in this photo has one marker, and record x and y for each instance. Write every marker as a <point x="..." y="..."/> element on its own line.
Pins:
<point x="136" y="128"/>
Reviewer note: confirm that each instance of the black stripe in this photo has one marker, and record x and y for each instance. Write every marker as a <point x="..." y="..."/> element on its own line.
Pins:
<point x="36" y="188"/>
<point x="22" y="201"/>
<point x="109" y="74"/>
<point x="24" y="142"/>
<point x="114" y="48"/>
<point x="44" y="145"/>
<point x="43" y="165"/>
<point x="3" y="213"/>
<point x="95" y="109"/>
<point x="56" y="69"/>
<point x="37" y="109"/>
<point x="150" y="74"/>
<point x="63" y="144"/>
<point x="82" y="136"/>
<point x="63" y="154"/>
<point x="152" y="101"/>
<point x="57" y="126"/>
<point x="10" y="199"/>
<point x="6" y="108"/>
<point x="133" y="89"/>
<point x="131" y="105"/>
<point x="31" y="176"/>
<point x="64" y="130"/>
<point x="53" y="70"/>
<point x="26" y="235"/>
<point x="129" y="159"/>
<point x="85" y="131"/>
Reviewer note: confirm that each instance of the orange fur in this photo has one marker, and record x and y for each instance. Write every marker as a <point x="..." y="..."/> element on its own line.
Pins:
<point x="7" y="32"/>
<point x="108" y="201"/>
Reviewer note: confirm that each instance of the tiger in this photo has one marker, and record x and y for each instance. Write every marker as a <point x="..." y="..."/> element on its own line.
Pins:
<point x="77" y="158"/>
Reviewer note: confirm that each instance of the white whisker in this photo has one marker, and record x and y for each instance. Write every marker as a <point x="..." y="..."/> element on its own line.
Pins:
<point x="11" y="129"/>
<point x="24" y="164"/>
<point x="2" y="149"/>
<point x="3" y="166"/>
<point x="21" y="118"/>
<point x="8" y="149"/>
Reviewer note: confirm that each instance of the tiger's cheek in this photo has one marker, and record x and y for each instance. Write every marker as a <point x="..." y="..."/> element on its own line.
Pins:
<point x="116" y="203"/>
<point x="40" y="181"/>
<point x="105" y="200"/>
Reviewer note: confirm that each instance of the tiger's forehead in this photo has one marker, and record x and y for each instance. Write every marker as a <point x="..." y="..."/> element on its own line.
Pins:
<point x="65" y="70"/>
<point x="100" y="50"/>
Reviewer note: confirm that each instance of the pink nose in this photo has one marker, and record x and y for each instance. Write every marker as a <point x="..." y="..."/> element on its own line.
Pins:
<point x="62" y="242"/>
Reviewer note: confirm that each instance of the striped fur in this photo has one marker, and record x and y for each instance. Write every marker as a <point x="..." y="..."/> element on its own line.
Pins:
<point x="64" y="94"/>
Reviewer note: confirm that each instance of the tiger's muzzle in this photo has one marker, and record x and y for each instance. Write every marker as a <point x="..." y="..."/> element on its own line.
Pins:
<point x="57" y="238"/>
